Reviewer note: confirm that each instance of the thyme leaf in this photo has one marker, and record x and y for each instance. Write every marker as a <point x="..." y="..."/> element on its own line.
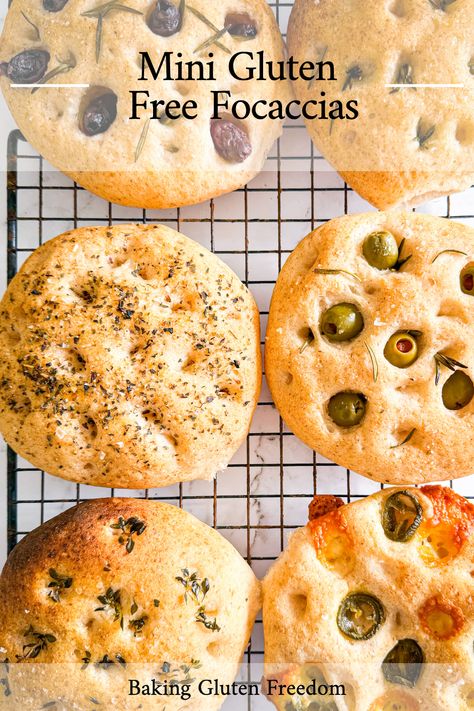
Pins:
<point x="210" y="24"/>
<point x="194" y="587"/>
<point x="441" y="359"/>
<point x="111" y="602"/>
<point x="209" y="624"/>
<point x="100" y="13"/>
<point x="57" y="584"/>
<point x="39" y="643"/>
<point x="404" y="76"/>
<point x="406" y="440"/>
<point x="337" y="271"/>
<point x="375" y="365"/>
<point x="64" y="65"/>
<point x="424" y="134"/>
<point x="138" y="624"/>
<point x="142" y="140"/>
<point x="129" y="527"/>
<point x="37" y="35"/>
<point x="448" y="251"/>
<point x="354" y="73"/>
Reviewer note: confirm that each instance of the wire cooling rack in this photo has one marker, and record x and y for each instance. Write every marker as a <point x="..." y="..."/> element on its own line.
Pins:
<point x="264" y="494"/>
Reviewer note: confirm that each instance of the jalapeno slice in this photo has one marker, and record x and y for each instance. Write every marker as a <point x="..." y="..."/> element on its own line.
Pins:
<point x="403" y="663"/>
<point x="401" y="516"/>
<point x="360" y="615"/>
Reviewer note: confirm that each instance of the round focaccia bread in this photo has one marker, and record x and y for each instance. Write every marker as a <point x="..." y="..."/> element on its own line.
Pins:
<point x="376" y="596"/>
<point x="407" y="145"/>
<point x="119" y="589"/>
<point x="349" y="399"/>
<point x="129" y="357"/>
<point x="87" y="131"/>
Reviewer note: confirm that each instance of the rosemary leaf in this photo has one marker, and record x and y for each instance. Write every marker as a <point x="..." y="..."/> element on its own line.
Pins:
<point x="448" y="251"/>
<point x="401" y="261"/>
<point x="212" y="40"/>
<point x="141" y="142"/>
<point x="65" y="65"/>
<point x="210" y="24"/>
<point x="404" y="76"/>
<point x="406" y="440"/>
<point x="308" y="341"/>
<point x="375" y="365"/>
<point x="441" y="4"/>
<point x="99" y="13"/>
<point x="441" y="359"/>
<point x="321" y="57"/>
<point x="37" y="35"/>
<point x="337" y="271"/>
<point x="424" y="134"/>
<point x="353" y="74"/>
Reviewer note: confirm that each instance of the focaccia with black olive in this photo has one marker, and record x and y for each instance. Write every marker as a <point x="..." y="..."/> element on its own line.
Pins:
<point x="376" y="596"/>
<point x="87" y="130"/>
<point x="115" y="590"/>
<point x="370" y="345"/>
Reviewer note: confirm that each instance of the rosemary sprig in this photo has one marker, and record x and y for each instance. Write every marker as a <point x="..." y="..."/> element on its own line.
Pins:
<point x="354" y="73"/>
<point x="57" y="584"/>
<point x="211" y="40"/>
<point x="308" y="341"/>
<point x="441" y="4"/>
<point x="111" y="602"/>
<point x="424" y="134"/>
<point x="210" y="24"/>
<point x="40" y="642"/>
<point x="37" y="35"/>
<point x="448" y="251"/>
<point x="64" y="65"/>
<point x="209" y="624"/>
<point x="100" y="13"/>
<point x="404" y="76"/>
<point x="401" y="260"/>
<point x="337" y="271"/>
<point x="142" y="140"/>
<point x="194" y="587"/>
<point x="375" y="365"/>
<point x="129" y="527"/>
<point x="406" y="440"/>
<point x="441" y="359"/>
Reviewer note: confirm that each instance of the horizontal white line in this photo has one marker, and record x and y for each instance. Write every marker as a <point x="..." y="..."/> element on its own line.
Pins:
<point x="424" y="86"/>
<point x="49" y="86"/>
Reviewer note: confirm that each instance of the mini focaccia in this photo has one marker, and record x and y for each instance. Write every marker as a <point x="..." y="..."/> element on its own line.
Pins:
<point x="129" y="357"/>
<point x="413" y="139"/>
<point x="115" y="590"/>
<point x="370" y="345"/>
<point x="131" y="121"/>
<point x="370" y="607"/>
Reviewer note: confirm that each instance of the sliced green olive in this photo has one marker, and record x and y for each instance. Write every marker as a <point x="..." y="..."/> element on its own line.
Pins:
<point x="347" y="409"/>
<point x="401" y="349"/>
<point x="401" y="516"/>
<point x="381" y="250"/>
<point x="458" y="391"/>
<point x="403" y="663"/>
<point x="467" y="279"/>
<point x="341" y="322"/>
<point x="360" y="615"/>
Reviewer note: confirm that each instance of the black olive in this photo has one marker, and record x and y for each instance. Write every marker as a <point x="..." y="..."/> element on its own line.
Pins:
<point x="240" y="24"/>
<point x="27" y="67"/>
<point x="231" y="140"/>
<point x="54" y="5"/>
<point x="165" y="19"/>
<point x="402" y="665"/>
<point x="401" y="516"/>
<point x="99" y="114"/>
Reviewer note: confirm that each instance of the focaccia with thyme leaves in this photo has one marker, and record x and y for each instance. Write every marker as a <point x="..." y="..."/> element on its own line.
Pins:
<point x="376" y="598"/>
<point x="129" y="357"/>
<point x="409" y="143"/>
<point x="370" y="345"/>
<point x="120" y="589"/>
<point x="87" y="130"/>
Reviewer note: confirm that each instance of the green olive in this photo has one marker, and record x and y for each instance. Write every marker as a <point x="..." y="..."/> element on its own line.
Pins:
<point x="467" y="279"/>
<point x="403" y="663"/>
<point x="458" y="391"/>
<point x="341" y="322"/>
<point x="347" y="409"/>
<point x="381" y="250"/>
<point x="401" y="349"/>
<point x="360" y="615"/>
<point x="401" y="516"/>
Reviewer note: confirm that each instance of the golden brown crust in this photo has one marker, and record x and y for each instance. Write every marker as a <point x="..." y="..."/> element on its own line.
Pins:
<point x="379" y="154"/>
<point x="429" y="604"/>
<point x="425" y="295"/>
<point x="82" y="544"/>
<point x="129" y="357"/>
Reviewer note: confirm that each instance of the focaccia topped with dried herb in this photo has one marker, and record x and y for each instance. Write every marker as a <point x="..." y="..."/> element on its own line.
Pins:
<point x="120" y="589"/>
<point x="129" y="357"/>
<point x="374" y="599"/>
<point x="414" y="137"/>
<point x="87" y="127"/>
<point x="370" y="345"/>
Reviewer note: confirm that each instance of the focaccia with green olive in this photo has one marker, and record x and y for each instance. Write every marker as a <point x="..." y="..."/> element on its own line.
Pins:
<point x="115" y="590"/>
<point x="370" y="345"/>
<point x="374" y="599"/>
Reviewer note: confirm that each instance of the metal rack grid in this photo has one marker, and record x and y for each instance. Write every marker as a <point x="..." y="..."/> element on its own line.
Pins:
<point x="263" y="496"/>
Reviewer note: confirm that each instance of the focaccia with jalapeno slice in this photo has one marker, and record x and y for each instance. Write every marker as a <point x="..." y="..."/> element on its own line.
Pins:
<point x="370" y="606"/>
